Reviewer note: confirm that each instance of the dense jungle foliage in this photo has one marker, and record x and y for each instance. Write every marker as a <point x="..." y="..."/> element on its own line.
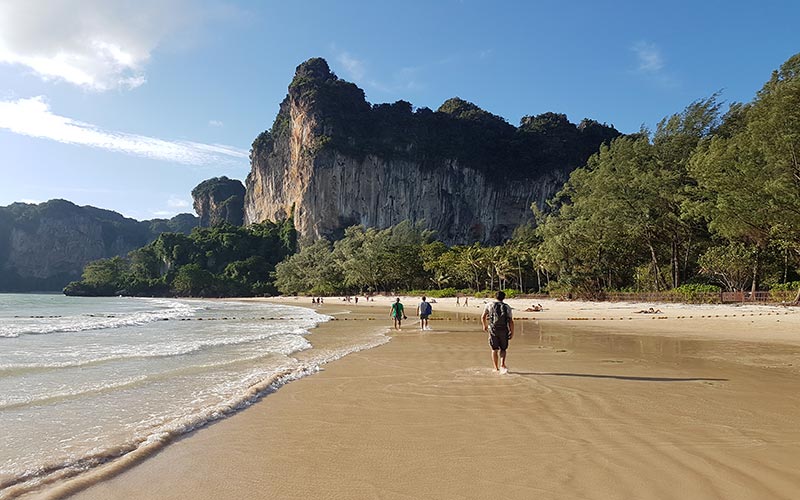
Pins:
<point x="222" y="261"/>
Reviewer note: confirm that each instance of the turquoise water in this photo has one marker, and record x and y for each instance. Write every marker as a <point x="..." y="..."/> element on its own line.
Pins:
<point x="84" y="380"/>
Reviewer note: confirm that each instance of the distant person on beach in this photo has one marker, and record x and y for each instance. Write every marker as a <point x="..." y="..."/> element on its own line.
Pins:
<point x="465" y="301"/>
<point x="649" y="311"/>
<point x="424" y="311"/>
<point x="497" y="321"/>
<point x="397" y="314"/>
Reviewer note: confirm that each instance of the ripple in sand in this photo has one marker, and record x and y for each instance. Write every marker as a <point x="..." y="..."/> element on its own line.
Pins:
<point x="476" y="382"/>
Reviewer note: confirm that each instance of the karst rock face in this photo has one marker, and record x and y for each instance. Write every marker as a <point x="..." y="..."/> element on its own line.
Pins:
<point x="45" y="246"/>
<point x="219" y="200"/>
<point x="332" y="160"/>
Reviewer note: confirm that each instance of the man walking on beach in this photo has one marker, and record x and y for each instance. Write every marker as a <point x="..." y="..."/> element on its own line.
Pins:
<point x="397" y="314"/>
<point x="496" y="320"/>
<point x="424" y="311"/>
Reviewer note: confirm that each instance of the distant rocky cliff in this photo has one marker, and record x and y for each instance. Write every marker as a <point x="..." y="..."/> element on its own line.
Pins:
<point x="334" y="160"/>
<point x="44" y="247"/>
<point x="219" y="200"/>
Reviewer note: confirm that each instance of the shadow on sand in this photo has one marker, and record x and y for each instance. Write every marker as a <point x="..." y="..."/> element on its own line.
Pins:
<point x="618" y="377"/>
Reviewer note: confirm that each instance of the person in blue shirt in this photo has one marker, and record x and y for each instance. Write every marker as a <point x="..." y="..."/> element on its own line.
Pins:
<point x="424" y="311"/>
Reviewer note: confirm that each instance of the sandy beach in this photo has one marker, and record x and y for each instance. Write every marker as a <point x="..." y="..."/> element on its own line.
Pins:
<point x="600" y="402"/>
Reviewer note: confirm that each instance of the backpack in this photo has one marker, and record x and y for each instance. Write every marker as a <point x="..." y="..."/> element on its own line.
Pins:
<point x="498" y="319"/>
<point x="425" y="308"/>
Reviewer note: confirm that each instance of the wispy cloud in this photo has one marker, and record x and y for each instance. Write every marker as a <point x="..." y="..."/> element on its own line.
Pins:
<point x="355" y="68"/>
<point x="215" y="123"/>
<point x="648" y="57"/>
<point x="174" y="205"/>
<point x="32" y="117"/>
<point x="651" y="66"/>
<point x="95" y="44"/>
<point x="178" y="202"/>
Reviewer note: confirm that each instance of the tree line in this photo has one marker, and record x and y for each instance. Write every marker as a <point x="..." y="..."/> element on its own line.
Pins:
<point x="406" y="257"/>
<point x="223" y="261"/>
<point x="709" y="197"/>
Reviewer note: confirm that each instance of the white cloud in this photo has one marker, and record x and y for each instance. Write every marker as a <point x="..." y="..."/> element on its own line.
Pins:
<point x="648" y="57"/>
<point x="95" y="44"/>
<point x="355" y="68"/>
<point x="178" y="202"/>
<point x="32" y="117"/>
<point x="215" y="123"/>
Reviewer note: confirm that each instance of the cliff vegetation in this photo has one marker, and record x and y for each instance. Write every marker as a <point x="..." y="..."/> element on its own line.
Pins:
<point x="219" y="200"/>
<point x="458" y="130"/>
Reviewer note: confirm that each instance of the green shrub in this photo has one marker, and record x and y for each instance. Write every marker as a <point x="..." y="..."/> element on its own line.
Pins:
<point x="511" y="293"/>
<point x="698" y="288"/>
<point x="697" y="292"/>
<point x="791" y="286"/>
<point x="784" y="292"/>
<point x="444" y="292"/>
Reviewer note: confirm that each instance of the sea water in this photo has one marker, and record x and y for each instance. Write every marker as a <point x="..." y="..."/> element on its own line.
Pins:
<point x="87" y="380"/>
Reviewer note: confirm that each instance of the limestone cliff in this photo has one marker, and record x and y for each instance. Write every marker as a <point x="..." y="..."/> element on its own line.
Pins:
<point x="44" y="247"/>
<point x="219" y="200"/>
<point x="334" y="160"/>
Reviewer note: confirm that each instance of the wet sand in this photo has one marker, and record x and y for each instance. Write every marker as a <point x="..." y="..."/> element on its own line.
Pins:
<point x="638" y="408"/>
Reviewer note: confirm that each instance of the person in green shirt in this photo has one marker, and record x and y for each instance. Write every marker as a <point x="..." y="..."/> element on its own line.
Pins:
<point x="397" y="314"/>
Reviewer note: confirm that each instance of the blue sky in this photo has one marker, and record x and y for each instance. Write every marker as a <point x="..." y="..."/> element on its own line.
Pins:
<point x="127" y="105"/>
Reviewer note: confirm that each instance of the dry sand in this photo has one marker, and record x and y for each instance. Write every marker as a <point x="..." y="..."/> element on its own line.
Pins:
<point x="686" y="407"/>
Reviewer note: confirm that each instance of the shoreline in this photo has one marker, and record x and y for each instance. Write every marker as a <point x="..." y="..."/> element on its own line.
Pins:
<point x="393" y="390"/>
<point x="741" y="322"/>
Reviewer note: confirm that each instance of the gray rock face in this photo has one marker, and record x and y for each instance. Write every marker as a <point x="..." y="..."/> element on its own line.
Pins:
<point x="331" y="192"/>
<point x="331" y="160"/>
<point x="44" y="247"/>
<point x="219" y="200"/>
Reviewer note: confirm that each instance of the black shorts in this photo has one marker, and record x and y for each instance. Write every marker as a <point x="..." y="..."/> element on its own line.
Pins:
<point x="499" y="341"/>
<point x="424" y="316"/>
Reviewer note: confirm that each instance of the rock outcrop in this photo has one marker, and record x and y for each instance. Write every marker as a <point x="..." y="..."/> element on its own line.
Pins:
<point x="219" y="200"/>
<point x="333" y="160"/>
<point x="43" y="247"/>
